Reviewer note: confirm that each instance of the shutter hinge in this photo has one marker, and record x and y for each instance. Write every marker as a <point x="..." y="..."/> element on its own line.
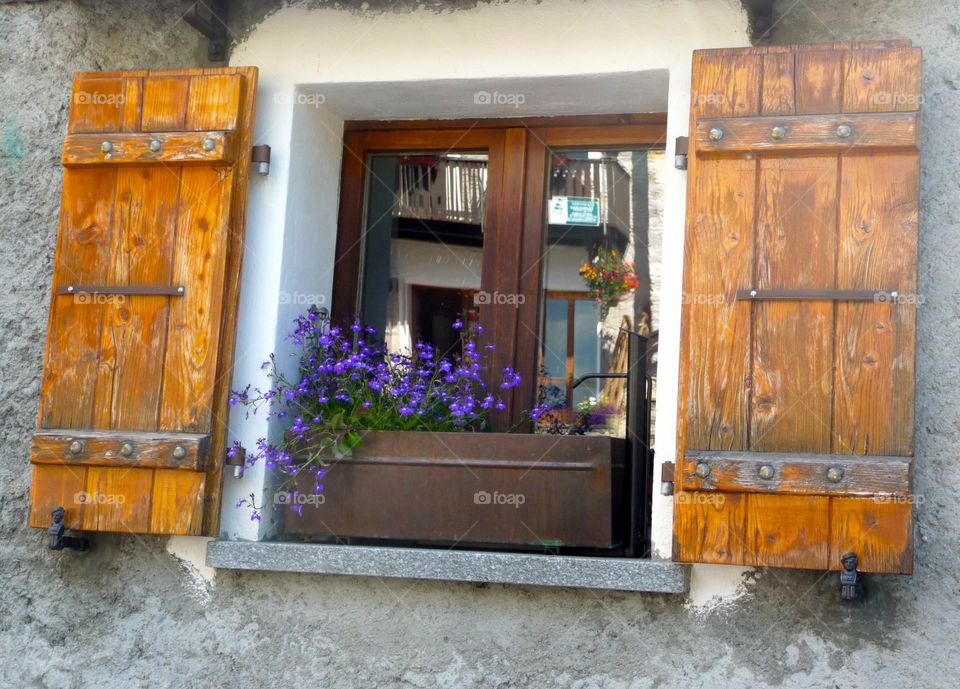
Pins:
<point x="680" y="152"/>
<point x="667" y="471"/>
<point x="236" y="458"/>
<point x="260" y="156"/>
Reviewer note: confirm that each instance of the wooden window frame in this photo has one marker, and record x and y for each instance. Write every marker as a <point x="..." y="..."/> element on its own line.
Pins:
<point x="519" y="157"/>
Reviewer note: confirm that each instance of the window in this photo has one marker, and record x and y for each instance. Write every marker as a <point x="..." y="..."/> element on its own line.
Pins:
<point x="490" y="222"/>
<point x="601" y="279"/>
<point x="422" y="246"/>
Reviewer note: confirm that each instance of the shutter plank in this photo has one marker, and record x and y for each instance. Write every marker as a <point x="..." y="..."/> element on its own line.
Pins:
<point x="56" y="486"/>
<point x="819" y="77"/>
<point x="246" y="97"/>
<point x="135" y="327"/>
<point x="882" y="80"/>
<point x="189" y="370"/>
<point x="719" y="250"/>
<point x="213" y="102"/>
<point x="118" y="500"/>
<point x="726" y="86"/>
<point x="164" y="104"/>
<point x="177" y="502"/>
<point x="105" y="448"/>
<point x="132" y="102"/>
<point x="797" y="473"/>
<point x="97" y="104"/>
<point x="788" y="531"/>
<point x="710" y="527"/>
<point x="793" y="341"/>
<point x="777" y="96"/>
<point x="874" y="391"/>
<point x="879" y="530"/>
<point x="67" y="396"/>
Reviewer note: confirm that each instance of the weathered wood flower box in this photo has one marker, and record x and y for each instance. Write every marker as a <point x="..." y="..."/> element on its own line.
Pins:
<point x="520" y="490"/>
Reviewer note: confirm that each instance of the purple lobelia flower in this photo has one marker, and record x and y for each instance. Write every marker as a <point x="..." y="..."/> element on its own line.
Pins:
<point x="346" y="383"/>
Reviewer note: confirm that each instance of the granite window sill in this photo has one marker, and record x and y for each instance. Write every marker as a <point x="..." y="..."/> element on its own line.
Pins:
<point x="620" y="574"/>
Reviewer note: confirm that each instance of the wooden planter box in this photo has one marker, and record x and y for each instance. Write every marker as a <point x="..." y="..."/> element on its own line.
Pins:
<point x="527" y="491"/>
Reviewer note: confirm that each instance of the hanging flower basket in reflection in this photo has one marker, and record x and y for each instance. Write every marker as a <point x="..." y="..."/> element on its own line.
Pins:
<point x="609" y="278"/>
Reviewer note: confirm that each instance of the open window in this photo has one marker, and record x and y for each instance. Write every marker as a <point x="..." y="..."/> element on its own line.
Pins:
<point x="515" y="227"/>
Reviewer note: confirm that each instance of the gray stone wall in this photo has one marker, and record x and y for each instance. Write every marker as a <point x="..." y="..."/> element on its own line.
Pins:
<point x="131" y="615"/>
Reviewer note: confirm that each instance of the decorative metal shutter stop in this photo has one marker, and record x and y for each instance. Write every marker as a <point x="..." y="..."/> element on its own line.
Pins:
<point x="56" y="539"/>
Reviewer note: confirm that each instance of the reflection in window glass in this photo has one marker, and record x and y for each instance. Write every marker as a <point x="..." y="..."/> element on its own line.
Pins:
<point x="423" y="244"/>
<point x="601" y="277"/>
<point x="586" y="348"/>
<point x="555" y="351"/>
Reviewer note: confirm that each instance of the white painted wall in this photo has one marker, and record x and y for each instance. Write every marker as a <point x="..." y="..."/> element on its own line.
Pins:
<point x="319" y="67"/>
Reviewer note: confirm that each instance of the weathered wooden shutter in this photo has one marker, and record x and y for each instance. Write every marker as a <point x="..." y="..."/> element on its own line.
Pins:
<point x="146" y="275"/>
<point x="795" y="438"/>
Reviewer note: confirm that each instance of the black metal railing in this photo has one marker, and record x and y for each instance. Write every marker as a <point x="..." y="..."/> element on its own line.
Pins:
<point x="640" y="460"/>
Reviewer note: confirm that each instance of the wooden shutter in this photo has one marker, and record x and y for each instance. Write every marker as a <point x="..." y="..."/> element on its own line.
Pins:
<point x="795" y="440"/>
<point x="146" y="274"/>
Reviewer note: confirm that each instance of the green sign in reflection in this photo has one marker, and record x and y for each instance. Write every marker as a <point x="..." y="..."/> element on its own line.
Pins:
<point x="574" y="210"/>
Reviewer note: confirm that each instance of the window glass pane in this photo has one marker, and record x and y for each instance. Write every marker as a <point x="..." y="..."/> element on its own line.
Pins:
<point x="586" y="349"/>
<point x="555" y="339"/>
<point x="602" y="260"/>
<point x="422" y="246"/>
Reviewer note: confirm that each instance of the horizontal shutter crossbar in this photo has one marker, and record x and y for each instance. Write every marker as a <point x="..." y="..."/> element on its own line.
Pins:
<point x="882" y="476"/>
<point x="109" y="148"/>
<point x="870" y="131"/>
<point x="126" y="290"/>
<point x="120" y="449"/>
<point x="879" y="296"/>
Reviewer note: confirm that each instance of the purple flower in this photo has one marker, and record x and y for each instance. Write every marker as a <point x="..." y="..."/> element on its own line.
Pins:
<point x="347" y="384"/>
<point x="511" y="379"/>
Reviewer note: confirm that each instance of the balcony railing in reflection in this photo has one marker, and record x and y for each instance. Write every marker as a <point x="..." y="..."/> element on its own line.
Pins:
<point x="452" y="189"/>
<point x="440" y="188"/>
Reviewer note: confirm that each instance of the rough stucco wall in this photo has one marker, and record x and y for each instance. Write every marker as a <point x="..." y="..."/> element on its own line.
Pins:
<point x="131" y="615"/>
